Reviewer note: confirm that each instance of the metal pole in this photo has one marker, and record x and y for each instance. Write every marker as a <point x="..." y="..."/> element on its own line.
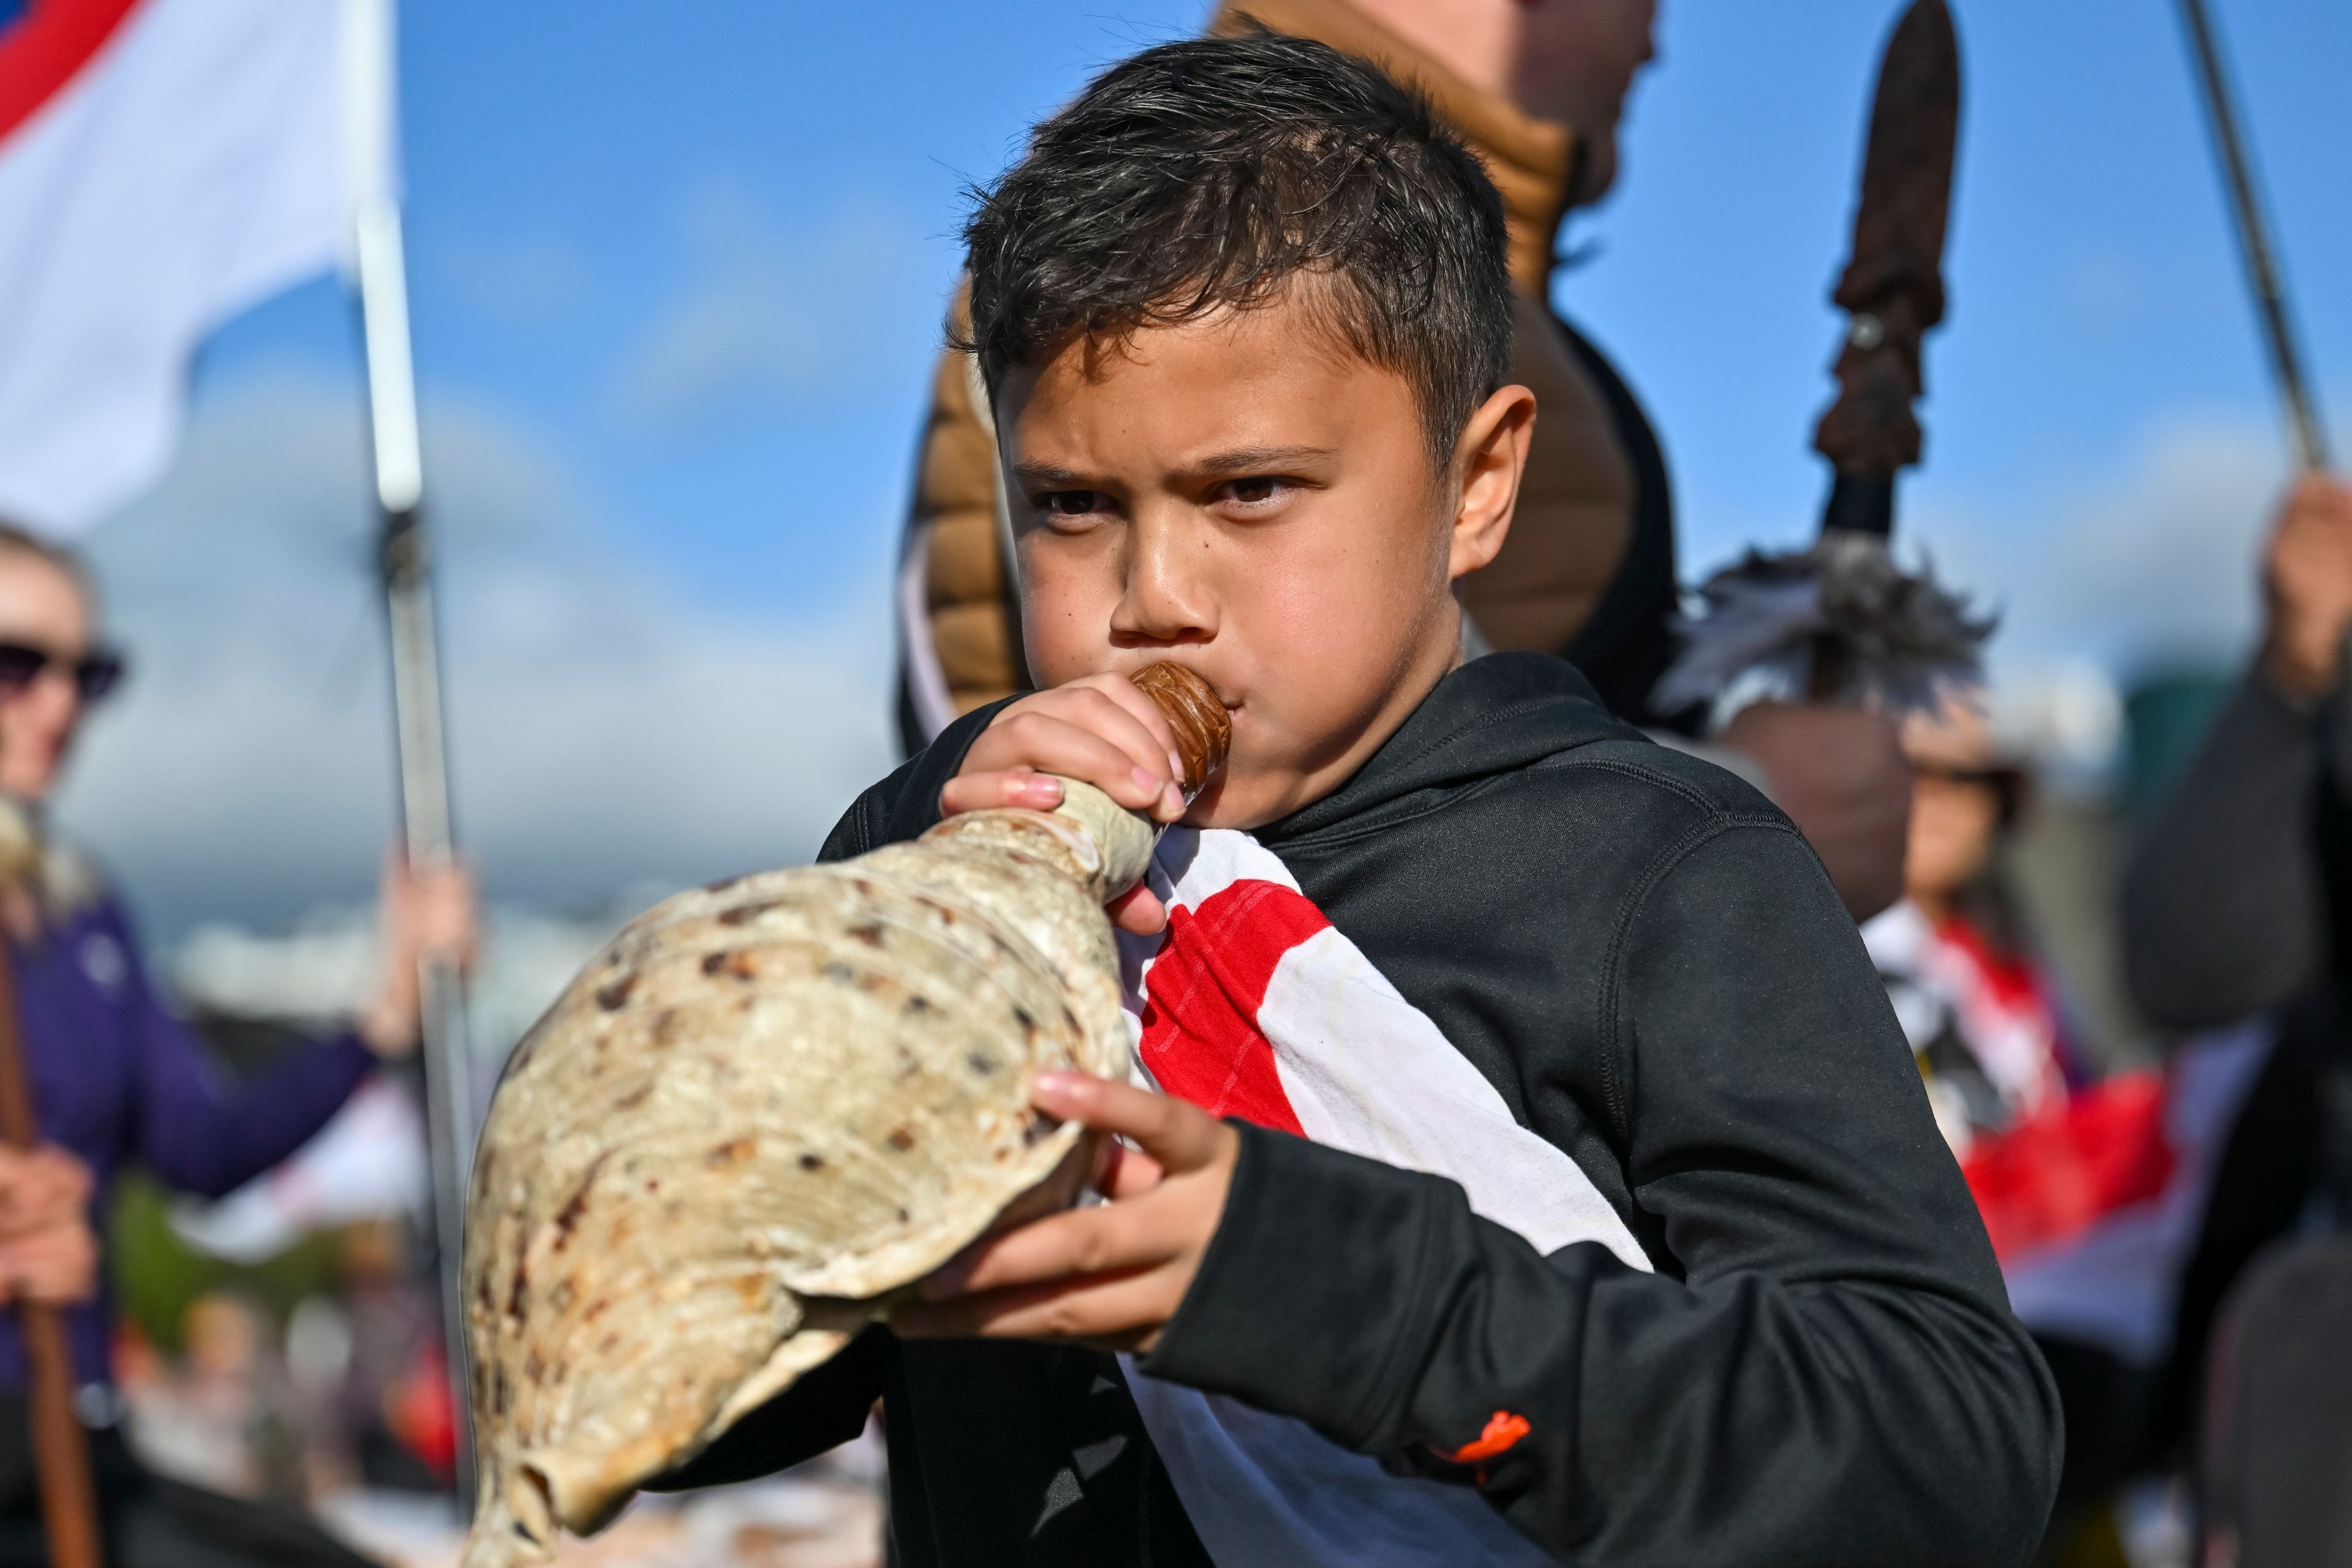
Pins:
<point x="2254" y="241"/>
<point x="407" y="583"/>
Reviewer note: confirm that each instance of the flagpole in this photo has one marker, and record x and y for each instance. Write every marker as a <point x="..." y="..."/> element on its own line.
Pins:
<point x="406" y="567"/>
<point x="2303" y="428"/>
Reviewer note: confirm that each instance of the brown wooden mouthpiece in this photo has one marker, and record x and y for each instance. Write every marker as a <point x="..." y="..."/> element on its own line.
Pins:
<point x="1205" y="731"/>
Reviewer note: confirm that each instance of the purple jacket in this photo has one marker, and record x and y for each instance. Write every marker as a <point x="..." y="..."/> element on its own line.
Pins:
<point x="116" y="1077"/>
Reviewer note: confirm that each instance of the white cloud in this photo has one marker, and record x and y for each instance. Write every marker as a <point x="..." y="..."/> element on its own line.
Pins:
<point x="605" y="731"/>
<point x="774" y="308"/>
<point x="2151" y="562"/>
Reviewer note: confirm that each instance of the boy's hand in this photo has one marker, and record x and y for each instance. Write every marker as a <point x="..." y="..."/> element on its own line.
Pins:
<point x="1110" y="1276"/>
<point x="1101" y="731"/>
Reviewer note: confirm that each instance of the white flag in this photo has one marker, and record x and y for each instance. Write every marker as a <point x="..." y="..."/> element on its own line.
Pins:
<point x="163" y="165"/>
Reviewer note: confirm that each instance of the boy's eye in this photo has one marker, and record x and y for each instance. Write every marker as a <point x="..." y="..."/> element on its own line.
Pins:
<point x="1073" y="503"/>
<point x="1253" y="491"/>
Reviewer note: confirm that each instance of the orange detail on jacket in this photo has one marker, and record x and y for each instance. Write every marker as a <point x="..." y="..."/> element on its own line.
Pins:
<point x="1503" y="1432"/>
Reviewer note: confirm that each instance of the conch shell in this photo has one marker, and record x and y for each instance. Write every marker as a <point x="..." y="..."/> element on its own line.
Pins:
<point x="766" y="1108"/>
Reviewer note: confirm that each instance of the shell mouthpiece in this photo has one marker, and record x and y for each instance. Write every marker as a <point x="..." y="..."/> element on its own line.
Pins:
<point x="1205" y="731"/>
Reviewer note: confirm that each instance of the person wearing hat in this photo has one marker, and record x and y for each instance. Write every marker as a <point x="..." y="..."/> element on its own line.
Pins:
<point x="1977" y="1009"/>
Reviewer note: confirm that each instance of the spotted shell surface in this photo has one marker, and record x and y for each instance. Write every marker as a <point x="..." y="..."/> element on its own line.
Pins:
<point x="765" y="1106"/>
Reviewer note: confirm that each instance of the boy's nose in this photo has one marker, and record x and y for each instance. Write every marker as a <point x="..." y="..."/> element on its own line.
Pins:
<point x="1167" y="599"/>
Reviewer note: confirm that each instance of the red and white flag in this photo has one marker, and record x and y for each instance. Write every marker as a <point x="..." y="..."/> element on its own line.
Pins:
<point x="164" y="165"/>
<point x="1252" y="1003"/>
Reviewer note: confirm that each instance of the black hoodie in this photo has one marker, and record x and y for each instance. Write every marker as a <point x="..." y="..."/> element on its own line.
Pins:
<point x="1649" y="965"/>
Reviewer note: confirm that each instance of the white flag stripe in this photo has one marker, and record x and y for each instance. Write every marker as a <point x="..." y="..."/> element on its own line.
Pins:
<point x="1363" y="1070"/>
<point x="1368" y="1072"/>
<point x="193" y="167"/>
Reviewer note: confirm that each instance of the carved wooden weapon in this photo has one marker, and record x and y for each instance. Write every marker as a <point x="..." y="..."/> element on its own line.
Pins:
<point x="1840" y="621"/>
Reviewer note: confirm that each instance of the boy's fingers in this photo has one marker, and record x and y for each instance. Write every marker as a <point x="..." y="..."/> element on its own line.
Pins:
<point x="1103" y="706"/>
<point x="1139" y="909"/>
<point x="1131" y="720"/>
<point x="1077" y="1241"/>
<point x="1127" y="695"/>
<point x="1122" y="1312"/>
<point x="1004" y="787"/>
<point x="1044" y="743"/>
<point x="1177" y="1133"/>
<point x="1126" y="1170"/>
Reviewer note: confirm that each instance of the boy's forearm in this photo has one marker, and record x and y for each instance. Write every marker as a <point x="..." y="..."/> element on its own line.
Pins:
<point x="1746" y="1420"/>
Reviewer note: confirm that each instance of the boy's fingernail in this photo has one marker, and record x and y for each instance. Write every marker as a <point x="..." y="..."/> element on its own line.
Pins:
<point x="1040" y="789"/>
<point x="1171" y="802"/>
<point x="1176" y="768"/>
<point x="1145" y="779"/>
<point x="1057" y="1080"/>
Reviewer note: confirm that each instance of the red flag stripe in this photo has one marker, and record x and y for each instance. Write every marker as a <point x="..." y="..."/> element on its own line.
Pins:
<point x="48" y="48"/>
<point x="1202" y="1040"/>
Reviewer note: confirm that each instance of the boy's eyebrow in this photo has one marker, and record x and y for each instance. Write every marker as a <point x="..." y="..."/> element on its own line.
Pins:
<point x="1259" y="460"/>
<point x="1217" y="465"/>
<point x="1047" y="475"/>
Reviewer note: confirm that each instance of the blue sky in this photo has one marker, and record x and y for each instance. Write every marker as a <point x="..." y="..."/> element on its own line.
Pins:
<point x="795" y="173"/>
<point x="677" y="272"/>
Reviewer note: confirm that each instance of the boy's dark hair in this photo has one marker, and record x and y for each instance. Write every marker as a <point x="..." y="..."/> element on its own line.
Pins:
<point x="1221" y="172"/>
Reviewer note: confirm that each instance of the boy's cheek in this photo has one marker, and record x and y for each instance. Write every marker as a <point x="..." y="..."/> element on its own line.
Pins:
<point x="1066" y="613"/>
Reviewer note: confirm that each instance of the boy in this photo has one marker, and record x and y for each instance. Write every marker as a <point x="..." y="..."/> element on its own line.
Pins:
<point x="1620" y="1231"/>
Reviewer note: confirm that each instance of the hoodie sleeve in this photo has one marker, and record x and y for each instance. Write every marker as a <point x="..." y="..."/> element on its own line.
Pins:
<point x="905" y="804"/>
<point x="1823" y="1368"/>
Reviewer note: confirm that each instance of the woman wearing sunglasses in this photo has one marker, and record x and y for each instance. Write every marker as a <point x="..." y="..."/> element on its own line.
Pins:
<point x="116" y="1077"/>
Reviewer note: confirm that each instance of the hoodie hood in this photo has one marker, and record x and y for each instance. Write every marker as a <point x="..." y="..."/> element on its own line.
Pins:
<point x="1491" y="716"/>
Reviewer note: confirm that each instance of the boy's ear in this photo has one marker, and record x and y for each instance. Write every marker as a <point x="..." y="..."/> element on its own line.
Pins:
<point x="1489" y="460"/>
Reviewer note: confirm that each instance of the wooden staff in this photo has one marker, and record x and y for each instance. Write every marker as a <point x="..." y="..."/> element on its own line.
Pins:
<point x="60" y="1448"/>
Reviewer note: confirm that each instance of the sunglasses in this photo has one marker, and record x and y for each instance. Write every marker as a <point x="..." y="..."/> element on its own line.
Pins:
<point x="94" y="675"/>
